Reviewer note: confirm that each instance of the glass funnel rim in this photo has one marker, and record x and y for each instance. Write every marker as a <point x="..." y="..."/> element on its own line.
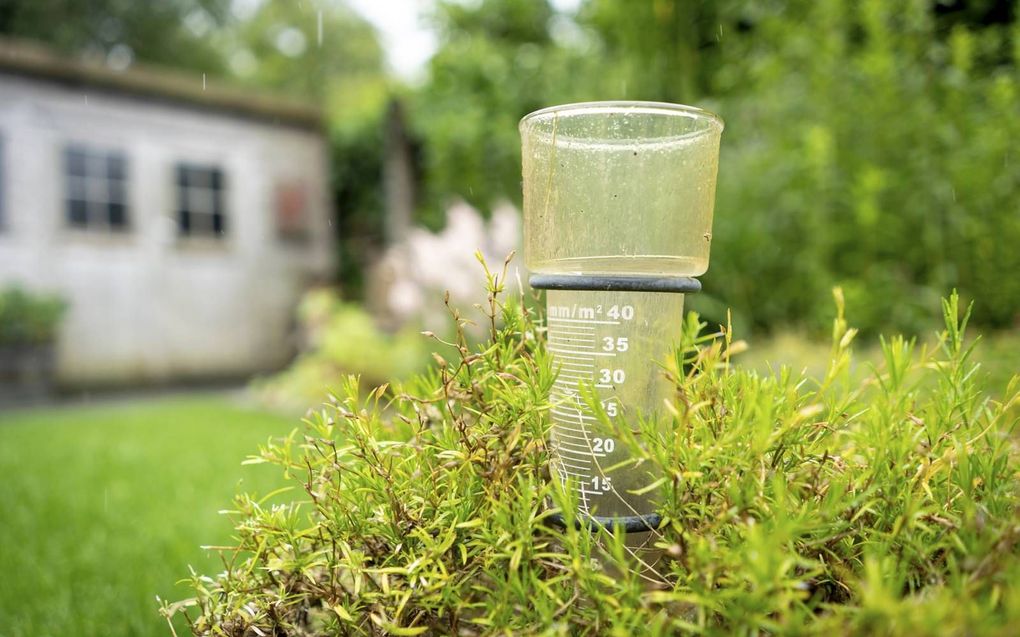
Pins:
<point x="708" y="121"/>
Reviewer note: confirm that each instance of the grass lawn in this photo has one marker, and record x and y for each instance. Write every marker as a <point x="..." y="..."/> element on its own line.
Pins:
<point x="997" y="353"/>
<point x="104" y="507"/>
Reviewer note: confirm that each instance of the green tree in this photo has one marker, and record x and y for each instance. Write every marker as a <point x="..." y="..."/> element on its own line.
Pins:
<point x="170" y="32"/>
<point x="867" y="144"/>
<point x="661" y="50"/>
<point x="312" y="49"/>
<point x="870" y="147"/>
<point x="497" y="62"/>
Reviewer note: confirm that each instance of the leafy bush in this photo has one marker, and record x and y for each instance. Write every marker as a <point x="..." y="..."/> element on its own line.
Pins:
<point x="790" y="505"/>
<point x="342" y="339"/>
<point x="869" y="144"/>
<point x="28" y="319"/>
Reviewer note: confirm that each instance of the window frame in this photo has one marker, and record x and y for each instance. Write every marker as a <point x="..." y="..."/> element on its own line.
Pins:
<point x="4" y="222"/>
<point x="301" y="232"/>
<point x="200" y="201"/>
<point x="96" y="195"/>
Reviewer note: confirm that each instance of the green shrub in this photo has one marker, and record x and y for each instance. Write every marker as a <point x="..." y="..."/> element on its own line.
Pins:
<point x="27" y="318"/>
<point x="343" y="339"/>
<point x="869" y="146"/>
<point x="791" y="505"/>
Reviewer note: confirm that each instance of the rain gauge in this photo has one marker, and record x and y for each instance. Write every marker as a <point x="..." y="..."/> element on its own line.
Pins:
<point x="618" y="201"/>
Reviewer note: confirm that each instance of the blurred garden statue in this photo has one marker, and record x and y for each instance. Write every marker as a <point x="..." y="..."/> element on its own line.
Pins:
<point x="410" y="279"/>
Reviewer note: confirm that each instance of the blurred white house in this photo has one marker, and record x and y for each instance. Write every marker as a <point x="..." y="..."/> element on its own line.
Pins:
<point x="181" y="220"/>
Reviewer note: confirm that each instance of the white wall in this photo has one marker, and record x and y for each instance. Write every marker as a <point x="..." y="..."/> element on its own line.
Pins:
<point x="147" y="305"/>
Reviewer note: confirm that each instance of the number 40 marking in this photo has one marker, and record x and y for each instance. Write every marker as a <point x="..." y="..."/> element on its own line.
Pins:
<point x="625" y="312"/>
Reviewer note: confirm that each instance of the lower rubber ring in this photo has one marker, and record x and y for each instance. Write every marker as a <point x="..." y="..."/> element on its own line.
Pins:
<point x="629" y="523"/>
<point x="598" y="283"/>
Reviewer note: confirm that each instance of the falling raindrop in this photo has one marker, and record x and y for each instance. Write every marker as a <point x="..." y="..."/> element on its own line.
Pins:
<point x="203" y="81"/>
<point x="319" y="29"/>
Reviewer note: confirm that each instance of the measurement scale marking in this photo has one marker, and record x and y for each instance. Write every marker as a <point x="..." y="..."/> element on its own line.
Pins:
<point x="580" y="462"/>
<point x="582" y="321"/>
<point x="569" y="364"/>
<point x="577" y="415"/>
<point x="574" y="344"/>
<point x="584" y="357"/>
<point x="559" y="426"/>
<point x="569" y="403"/>
<point x="569" y="395"/>
<point x="576" y="475"/>
<point x="583" y="354"/>
<point x="568" y="411"/>
<point x="573" y="466"/>
<point x="576" y="445"/>
<point x="579" y="455"/>
<point x="559" y="434"/>
<point x="586" y="449"/>
<point x="575" y="378"/>
<point x="585" y="438"/>
<point x="571" y="385"/>
<point x="570" y="406"/>
<point x="583" y="326"/>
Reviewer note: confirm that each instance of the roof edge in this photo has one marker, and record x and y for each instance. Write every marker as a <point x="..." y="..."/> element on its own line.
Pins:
<point x="31" y="59"/>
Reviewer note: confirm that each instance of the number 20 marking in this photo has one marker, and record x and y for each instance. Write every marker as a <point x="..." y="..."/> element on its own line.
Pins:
<point x="603" y="445"/>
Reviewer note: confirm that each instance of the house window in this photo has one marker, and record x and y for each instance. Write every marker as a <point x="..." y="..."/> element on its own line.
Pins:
<point x="200" y="210"/>
<point x="96" y="188"/>
<point x="292" y="219"/>
<point x="3" y="220"/>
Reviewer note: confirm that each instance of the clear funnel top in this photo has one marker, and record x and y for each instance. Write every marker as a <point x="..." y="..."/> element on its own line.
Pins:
<point x="619" y="188"/>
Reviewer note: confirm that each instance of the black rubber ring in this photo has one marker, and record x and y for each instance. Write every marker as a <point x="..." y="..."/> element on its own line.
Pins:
<point x="675" y="284"/>
<point x="629" y="523"/>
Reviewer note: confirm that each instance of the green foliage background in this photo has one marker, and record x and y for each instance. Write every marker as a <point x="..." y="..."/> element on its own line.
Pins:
<point x="28" y="319"/>
<point x="869" y="144"/>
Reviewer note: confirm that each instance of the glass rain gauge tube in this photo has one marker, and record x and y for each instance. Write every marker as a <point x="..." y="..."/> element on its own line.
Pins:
<point x="618" y="200"/>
